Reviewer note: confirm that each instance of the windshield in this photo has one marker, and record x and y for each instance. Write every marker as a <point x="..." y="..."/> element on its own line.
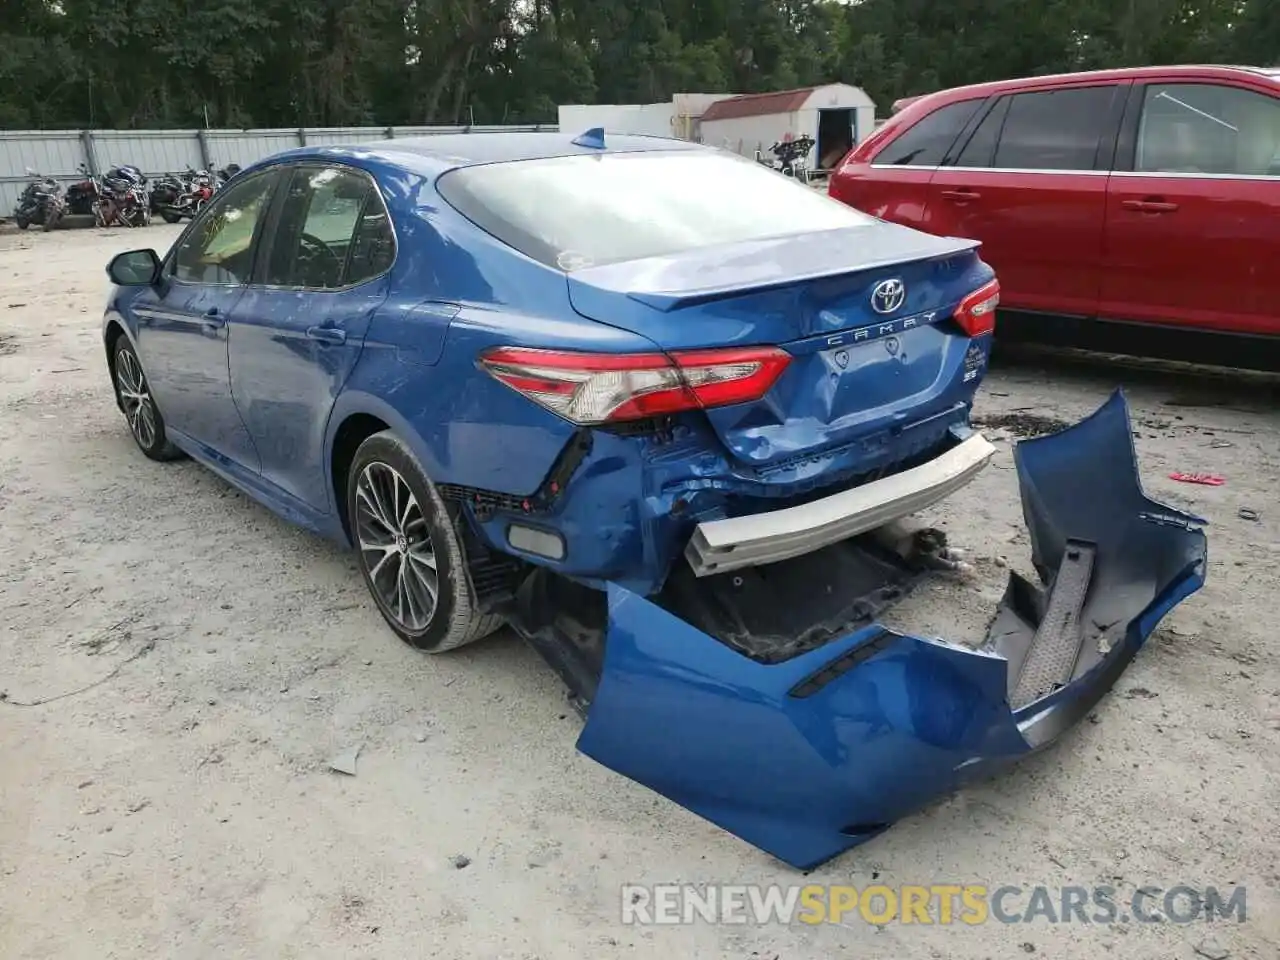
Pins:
<point x="582" y="211"/>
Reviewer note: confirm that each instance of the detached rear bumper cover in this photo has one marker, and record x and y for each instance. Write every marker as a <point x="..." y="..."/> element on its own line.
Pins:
<point x="807" y="758"/>
<point x="719" y="546"/>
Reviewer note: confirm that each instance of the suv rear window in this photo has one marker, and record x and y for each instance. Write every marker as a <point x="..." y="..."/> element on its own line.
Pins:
<point x="927" y="141"/>
<point x="590" y="210"/>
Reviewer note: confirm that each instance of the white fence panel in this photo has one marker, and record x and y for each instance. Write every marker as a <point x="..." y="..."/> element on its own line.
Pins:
<point x="54" y="153"/>
<point x="152" y="151"/>
<point x="248" y="146"/>
<point x="335" y="136"/>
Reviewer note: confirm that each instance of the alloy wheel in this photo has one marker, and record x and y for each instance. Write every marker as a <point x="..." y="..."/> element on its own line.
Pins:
<point x="135" y="397"/>
<point x="395" y="546"/>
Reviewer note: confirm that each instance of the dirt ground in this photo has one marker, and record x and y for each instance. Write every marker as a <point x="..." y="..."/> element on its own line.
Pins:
<point x="208" y="661"/>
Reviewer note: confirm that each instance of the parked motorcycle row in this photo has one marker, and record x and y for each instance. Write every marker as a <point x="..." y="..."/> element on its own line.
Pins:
<point x="123" y="195"/>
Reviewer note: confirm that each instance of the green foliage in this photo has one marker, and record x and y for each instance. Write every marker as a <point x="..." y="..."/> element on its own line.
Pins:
<point x="161" y="63"/>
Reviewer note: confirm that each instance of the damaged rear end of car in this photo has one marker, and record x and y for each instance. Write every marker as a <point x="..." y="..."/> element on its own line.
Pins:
<point x="708" y="559"/>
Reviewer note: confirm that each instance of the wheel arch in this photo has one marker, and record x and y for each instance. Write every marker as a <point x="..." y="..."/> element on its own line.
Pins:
<point x="112" y="331"/>
<point x="356" y="417"/>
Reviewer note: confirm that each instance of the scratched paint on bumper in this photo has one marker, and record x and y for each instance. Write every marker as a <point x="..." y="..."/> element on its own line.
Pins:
<point x="809" y="757"/>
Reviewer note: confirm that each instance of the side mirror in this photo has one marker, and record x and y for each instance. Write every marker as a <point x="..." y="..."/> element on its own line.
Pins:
<point x="135" y="268"/>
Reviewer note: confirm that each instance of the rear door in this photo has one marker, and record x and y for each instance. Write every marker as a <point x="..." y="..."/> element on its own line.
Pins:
<point x="894" y="185"/>
<point x="296" y="337"/>
<point x="1030" y="182"/>
<point x="1193" y="209"/>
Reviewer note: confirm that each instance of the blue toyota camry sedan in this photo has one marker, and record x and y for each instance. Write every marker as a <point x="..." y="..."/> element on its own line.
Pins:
<point x="652" y="405"/>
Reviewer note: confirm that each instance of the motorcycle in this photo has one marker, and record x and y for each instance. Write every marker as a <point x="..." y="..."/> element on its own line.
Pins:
<point x="41" y="202"/>
<point x="125" y="198"/>
<point x="789" y="157"/>
<point x="165" y="193"/>
<point x="226" y="173"/>
<point x="84" y="195"/>
<point x="193" y="191"/>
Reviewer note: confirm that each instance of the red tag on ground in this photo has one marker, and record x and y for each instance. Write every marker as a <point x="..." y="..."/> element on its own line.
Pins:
<point x="1208" y="479"/>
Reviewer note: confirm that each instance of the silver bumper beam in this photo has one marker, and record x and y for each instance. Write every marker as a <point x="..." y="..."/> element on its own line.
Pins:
<point x="722" y="545"/>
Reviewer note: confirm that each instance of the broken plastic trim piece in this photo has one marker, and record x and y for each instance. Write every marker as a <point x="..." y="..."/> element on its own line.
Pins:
<point x="813" y="755"/>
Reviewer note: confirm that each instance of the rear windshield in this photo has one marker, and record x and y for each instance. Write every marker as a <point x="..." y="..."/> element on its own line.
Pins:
<point x="582" y="211"/>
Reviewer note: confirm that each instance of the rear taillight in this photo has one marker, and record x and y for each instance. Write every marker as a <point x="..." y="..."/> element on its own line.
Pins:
<point x="977" y="312"/>
<point x="590" y="388"/>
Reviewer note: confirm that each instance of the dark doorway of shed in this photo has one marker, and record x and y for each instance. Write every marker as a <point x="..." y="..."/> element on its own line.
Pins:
<point x="835" y="137"/>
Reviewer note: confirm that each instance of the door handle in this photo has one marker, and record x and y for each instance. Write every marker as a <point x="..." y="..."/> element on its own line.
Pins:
<point x="326" y="334"/>
<point x="963" y="195"/>
<point x="1149" y="206"/>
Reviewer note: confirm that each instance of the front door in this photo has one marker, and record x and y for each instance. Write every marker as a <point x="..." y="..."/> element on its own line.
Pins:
<point x="1193" y="211"/>
<point x="1030" y="182"/>
<point x="182" y="321"/>
<point x="297" y="335"/>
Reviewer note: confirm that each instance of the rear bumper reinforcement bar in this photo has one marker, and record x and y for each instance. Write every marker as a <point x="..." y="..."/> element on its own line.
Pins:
<point x="718" y="546"/>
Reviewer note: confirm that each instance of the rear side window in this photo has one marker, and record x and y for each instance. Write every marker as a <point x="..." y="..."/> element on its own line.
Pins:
<point x="927" y="141"/>
<point x="1054" y="129"/>
<point x="981" y="148"/>
<point x="1208" y="128"/>
<point x="589" y="210"/>
<point x="329" y="229"/>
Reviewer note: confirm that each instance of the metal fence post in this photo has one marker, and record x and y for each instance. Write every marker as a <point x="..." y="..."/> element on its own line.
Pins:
<point x="391" y="133"/>
<point x="302" y="136"/>
<point x="203" y="140"/>
<point x="90" y="157"/>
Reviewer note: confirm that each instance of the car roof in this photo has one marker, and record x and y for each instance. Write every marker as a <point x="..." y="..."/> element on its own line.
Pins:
<point x="1210" y="70"/>
<point x="436" y="154"/>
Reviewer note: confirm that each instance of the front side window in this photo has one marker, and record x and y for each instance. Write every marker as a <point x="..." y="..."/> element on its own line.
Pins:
<point x="1054" y="129"/>
<point x="927" y="141"/>
<point x="332" y="231"/>
<point x="219" y="248"/>
<point x="1210" y="129"/>
<point x="580" y="211"/>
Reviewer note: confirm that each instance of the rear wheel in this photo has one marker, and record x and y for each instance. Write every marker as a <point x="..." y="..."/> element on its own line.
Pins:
<point x="169" y="216"/>
<point x="409" y="551"/>
<point x="133" y="393"/>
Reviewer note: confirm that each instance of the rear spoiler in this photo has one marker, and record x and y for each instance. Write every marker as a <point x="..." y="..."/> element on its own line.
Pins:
<point x="667" y="301"/>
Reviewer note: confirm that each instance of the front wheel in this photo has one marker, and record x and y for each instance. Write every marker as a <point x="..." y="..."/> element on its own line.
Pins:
<point x="168" y="216"/>
<point x="133" y="393"/>
<point x="409" y="551"/>
<point x="22" y="222"/>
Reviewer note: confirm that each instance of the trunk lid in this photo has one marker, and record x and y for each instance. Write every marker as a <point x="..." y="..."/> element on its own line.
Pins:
<point x="865" y="313"/>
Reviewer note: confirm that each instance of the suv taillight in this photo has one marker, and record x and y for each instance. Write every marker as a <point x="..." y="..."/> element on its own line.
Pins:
<point x="594" y="388"/>
<point x="977" y="312"/>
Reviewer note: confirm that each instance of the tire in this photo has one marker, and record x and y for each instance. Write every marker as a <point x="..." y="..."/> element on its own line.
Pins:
<point x="133" y="394"/>
<point x="168" y="216"/>
<point x="396" y="559"/>
<point x="22" y="222"/>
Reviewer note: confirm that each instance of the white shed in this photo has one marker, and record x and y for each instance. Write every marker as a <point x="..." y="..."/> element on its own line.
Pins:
<point x="835" y="116"/>
<point x="678" y="117"/>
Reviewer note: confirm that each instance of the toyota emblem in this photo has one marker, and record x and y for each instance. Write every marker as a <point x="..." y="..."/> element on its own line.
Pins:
<point x="888" y="295"/>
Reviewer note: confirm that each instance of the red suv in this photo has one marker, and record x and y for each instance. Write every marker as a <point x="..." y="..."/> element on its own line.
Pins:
<point x="1112" y="204"/>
